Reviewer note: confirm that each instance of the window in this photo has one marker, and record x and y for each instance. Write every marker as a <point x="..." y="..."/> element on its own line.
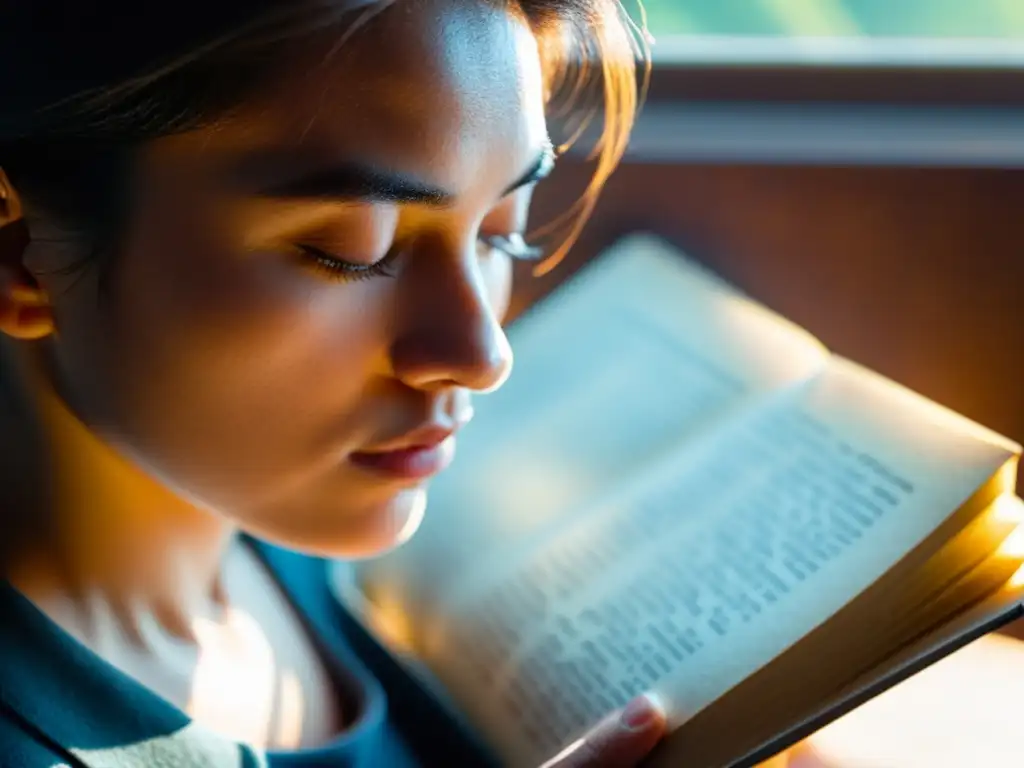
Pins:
<point x="920" y="83"/>
<point x="904" y="32"/>
<point x="991" y="19"/>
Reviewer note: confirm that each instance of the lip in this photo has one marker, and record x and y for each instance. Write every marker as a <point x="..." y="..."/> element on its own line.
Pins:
<point x="422" y="454"/>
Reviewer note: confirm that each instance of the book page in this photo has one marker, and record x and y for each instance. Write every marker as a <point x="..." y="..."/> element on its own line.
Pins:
<point x="711" y="566"/>
<point x="637" y="353"/>
<point x="892" y="614"/>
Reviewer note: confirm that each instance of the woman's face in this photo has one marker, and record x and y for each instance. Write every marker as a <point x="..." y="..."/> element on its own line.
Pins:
<point x="305" y="297"/>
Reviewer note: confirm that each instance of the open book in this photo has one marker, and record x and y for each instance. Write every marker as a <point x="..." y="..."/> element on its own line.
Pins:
<point x="680" y="491"/>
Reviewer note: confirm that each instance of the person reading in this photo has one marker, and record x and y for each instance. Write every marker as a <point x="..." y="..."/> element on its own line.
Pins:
<point x="254" y="255"/>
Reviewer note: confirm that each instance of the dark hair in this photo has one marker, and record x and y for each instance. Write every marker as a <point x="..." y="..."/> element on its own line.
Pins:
<point x="69" y="157"/>
<point x="112" y="75"/>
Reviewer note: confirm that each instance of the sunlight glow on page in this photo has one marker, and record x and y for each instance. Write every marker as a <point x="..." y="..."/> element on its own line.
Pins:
<point x="1017" y="580"/>
<point x="1013" y="546"/>
<point x="1008" y="509"/>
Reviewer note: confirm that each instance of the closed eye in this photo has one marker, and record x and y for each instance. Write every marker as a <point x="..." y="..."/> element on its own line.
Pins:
<point x="339" y="269"/>
<point x="512" y="245"/>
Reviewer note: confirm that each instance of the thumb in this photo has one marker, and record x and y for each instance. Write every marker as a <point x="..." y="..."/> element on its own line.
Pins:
<point x="621" y="740"/>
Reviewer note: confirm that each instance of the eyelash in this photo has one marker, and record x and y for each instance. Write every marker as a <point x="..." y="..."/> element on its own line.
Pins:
<point x="344" y="271"/>
<point x="334" y="268"/>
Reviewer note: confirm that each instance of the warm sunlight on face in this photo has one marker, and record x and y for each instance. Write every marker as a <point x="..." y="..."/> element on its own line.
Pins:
<point x="312" y="290"/>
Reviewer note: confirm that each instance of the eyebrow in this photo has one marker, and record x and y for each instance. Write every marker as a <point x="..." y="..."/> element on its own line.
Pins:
<point x="355" y="181"/>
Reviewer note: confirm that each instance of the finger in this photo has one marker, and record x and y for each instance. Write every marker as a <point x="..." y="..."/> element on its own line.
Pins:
<point x="804" y="756"/>
<point x="619" y="741"/>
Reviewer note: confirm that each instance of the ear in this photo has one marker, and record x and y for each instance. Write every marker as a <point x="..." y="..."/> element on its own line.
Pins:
<point x="25" y="311"/>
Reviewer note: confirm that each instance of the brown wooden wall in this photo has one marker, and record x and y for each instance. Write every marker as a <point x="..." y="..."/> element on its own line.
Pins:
<point x="917" y="273"/>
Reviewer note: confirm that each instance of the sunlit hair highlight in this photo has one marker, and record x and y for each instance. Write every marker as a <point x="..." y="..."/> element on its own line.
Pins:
<point x="598" y="60"/>
<point x="73" y="161"/>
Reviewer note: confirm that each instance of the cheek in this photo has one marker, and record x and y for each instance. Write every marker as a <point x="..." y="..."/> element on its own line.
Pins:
<point x="242" y="308"/>
<point x="210" y="357"/>
<point x="258" y="327"/>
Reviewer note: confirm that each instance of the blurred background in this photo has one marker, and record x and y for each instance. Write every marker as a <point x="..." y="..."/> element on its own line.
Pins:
<point x="993" y="19"/>
<point x="858" y="166"/>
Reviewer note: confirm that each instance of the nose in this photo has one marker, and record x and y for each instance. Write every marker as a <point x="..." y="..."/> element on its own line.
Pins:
<point x="449" y="331"/>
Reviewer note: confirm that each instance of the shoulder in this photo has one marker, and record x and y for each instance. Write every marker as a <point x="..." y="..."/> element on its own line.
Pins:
<point x="22" y="746"/>
<point x="31" y="693"/>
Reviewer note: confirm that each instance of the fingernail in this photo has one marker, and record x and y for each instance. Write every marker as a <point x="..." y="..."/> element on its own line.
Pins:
<point x="27" y="295"/>
<point x="641" y="713"/>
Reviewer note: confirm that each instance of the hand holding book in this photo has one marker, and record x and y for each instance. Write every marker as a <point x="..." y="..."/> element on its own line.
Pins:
<point x="622" y="739"/>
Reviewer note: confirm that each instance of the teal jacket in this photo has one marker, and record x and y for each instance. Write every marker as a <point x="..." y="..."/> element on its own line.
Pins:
<point x="62" y="706"/>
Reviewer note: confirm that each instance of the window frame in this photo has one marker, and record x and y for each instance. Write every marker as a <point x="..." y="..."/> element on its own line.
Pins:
<point x="869" y="114"/>
<point x="936" y="84"/>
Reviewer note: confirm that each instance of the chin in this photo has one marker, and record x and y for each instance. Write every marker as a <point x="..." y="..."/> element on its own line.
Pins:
<point x="341" y="532"/>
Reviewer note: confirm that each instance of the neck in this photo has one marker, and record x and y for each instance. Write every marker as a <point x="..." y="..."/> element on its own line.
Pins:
<point x="119" y="541"/>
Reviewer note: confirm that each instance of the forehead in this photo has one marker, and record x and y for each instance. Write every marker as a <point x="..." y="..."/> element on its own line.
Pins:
<point x="445" y="89"/>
